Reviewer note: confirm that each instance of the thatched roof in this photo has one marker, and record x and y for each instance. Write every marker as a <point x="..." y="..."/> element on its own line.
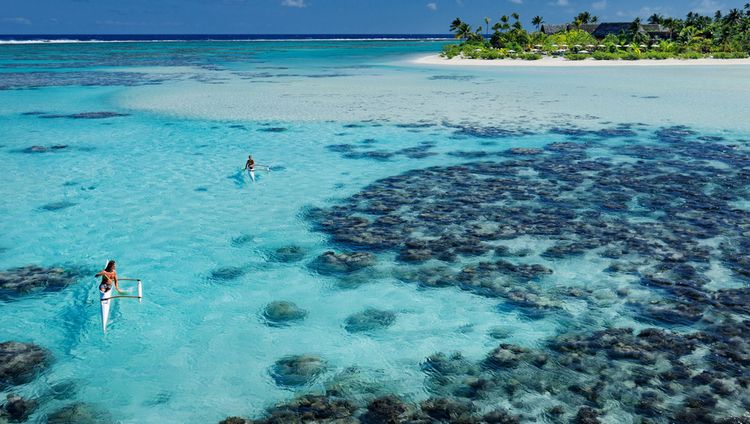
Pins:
<point x="605" y="28"/>
<point x="554" y="29"/>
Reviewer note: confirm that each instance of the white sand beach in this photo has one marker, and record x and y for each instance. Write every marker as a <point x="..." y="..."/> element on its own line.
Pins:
<point x="562" y="62"/>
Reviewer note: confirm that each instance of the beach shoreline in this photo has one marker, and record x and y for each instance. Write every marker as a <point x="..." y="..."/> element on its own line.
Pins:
<point x="561" y="62"/>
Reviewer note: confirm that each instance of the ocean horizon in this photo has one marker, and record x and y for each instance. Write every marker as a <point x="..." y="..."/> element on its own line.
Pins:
<point x="72" y="38"/>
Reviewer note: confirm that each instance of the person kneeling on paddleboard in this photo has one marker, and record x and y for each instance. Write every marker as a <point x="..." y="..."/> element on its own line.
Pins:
<point x="109" y="277"/>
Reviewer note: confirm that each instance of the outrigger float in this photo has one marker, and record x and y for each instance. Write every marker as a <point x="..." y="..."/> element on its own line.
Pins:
<point x="106" y="300"/>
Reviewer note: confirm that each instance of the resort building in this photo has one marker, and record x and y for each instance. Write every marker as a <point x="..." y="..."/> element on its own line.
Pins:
<point x="601" y="30"/>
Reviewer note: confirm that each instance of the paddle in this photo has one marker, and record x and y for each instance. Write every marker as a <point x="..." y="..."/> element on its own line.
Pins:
<point x="121" y="297"/>
<point x="124" y="297"/>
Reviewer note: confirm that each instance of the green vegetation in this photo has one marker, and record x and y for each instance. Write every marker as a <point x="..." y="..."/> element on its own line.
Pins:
<point x="605" y="56"/>
<point x="576" y="56"/>
<point x="472" y="51"/>
<point x="723" y="36"/>
<point x="631" y="55"/>
<point x="530" y="56"/>
<point x="729" y="55"/>
<point x="657" y="55"/>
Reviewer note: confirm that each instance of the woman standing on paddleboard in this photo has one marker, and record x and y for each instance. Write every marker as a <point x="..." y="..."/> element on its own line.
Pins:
<point x="250" y="167"/>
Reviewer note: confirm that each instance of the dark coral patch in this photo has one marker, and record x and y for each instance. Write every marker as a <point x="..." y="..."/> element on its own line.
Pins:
<point x="29" y="279"/>
<point x="274" y="129"/>
<point x="57" y="206"/>
<point x="488" y="132"/>
<point x="369" y="320"/>
<point x="451" y="77"/>
<point x="86" y="115"/>
<point x="659" y="211"/>
<point x="332" y="263"/>
<point x="288" y="254"/>
<point x="297" y="370"/>
<point x="21" y="362"/>
<point x="43" y="149"/>
<point x="281" y="312"/>
<point x="227" y="273"/>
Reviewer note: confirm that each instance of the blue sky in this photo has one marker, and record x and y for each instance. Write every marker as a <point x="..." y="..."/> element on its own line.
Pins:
<point x="308" y="16"/>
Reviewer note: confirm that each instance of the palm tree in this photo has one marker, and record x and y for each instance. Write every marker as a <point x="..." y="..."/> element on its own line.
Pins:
<point x="635" y="32"/>
<point x="674" y="25"/>
<point x="537" y="21"/>
<point x="464" y="31"/>
<point x="456" y="24"/>
<point x="503" y="25"/>
<point x="655" y="19"/>
<point x="698" y="21"/>
<point x="635" y="25"/>
<point x="461" y="28"/>
<point x="583" y="18"/>
<point x="517" y="24"/>
<point x="688" y="34"/>
<point x="487" y="22"/>
<point x="594" y="19"/>
<point x="733" y="17"/>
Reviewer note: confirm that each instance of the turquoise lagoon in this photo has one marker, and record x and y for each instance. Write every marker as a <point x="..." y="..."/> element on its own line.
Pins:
<point x="154" y="185"/>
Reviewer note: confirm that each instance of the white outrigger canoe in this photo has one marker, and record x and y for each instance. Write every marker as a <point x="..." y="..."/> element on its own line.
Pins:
<point x="106" y="302"/>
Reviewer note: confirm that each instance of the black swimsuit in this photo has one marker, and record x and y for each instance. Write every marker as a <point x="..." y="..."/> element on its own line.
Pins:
<point x="105" y="285"/>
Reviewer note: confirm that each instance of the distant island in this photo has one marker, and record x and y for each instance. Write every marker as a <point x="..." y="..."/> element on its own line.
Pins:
<point x="723" y="36"/>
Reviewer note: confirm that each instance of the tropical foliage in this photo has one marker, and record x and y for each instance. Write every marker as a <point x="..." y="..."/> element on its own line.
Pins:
<point x="723" y="36"/>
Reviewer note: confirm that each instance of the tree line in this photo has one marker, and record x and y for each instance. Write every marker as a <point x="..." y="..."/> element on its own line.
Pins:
<point x="695" y="35"/>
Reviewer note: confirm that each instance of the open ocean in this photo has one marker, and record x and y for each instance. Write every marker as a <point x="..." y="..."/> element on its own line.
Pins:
<point x="533" y="243"/>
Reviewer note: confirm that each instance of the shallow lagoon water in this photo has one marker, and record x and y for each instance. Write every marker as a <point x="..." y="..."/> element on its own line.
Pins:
<point x="156" y="189"/>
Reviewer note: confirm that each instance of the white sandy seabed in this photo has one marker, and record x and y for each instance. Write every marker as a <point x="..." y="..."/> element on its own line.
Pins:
<point x="502" y="93"/>
<point x="562" y="62"/>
